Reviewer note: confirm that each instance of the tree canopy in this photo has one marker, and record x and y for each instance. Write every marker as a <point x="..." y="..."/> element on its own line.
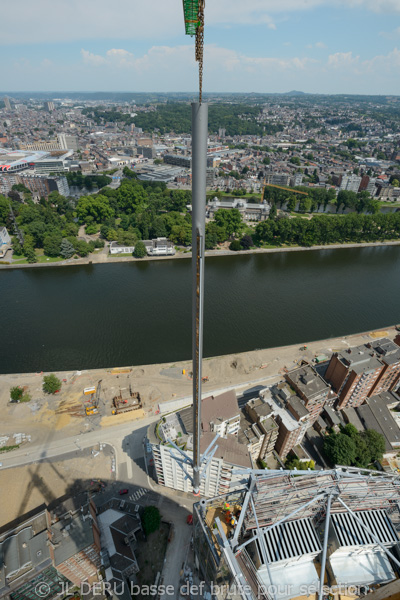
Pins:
<point x="140" y="250"/>
<point x="151" y="519"/>
<point x="51" y="384"/>
<point x="352" y="448"/>
<point x="236" y="119"/>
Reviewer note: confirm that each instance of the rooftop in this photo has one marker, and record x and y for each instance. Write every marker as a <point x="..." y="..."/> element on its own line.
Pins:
<point x="217" y="409"/>
<point x="71" y="537"/>
<point x="307" y="380"/>
<point x="297" y="405"/>
<point x="359" y="359"/>
<point x="228" y="449"/>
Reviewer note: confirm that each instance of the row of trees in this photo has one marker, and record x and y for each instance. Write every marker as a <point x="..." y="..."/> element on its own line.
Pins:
<point x="315" y="198"/>
<point x="324" y="229"/>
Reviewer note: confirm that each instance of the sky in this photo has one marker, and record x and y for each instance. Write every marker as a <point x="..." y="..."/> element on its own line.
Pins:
<point x="265" y="46"/>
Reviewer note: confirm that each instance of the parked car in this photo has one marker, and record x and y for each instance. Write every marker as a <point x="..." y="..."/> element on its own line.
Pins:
<point x="122" y="492"/>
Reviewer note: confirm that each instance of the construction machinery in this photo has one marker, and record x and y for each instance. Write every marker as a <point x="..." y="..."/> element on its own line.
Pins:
<point x="122" y="405"/>
<point x="93" y="409"/>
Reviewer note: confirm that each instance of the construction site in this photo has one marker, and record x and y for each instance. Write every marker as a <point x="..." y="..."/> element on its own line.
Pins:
<point x="297" y="534"/>
<point x="97" y="401"/>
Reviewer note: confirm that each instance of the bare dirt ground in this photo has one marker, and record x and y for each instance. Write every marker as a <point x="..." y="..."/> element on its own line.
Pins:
<point x="32" y="485"/>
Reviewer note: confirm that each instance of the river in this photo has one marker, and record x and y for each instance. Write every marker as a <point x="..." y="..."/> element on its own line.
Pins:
<point x="94" y="316"/>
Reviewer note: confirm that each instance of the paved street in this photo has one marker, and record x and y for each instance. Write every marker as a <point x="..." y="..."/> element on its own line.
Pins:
<point x="128" y="444"/>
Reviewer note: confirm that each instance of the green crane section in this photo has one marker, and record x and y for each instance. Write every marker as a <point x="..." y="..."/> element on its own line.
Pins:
<point x="191" y="15"/>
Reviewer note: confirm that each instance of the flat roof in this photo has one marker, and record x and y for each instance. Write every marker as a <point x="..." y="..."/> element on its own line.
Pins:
<point x="228" y="449"/>
<point x="217" y="409"/>
<point x="308" y="381"/>
<point x="296" y="403"/>
<point x="72" y="537"/>
<point x="359" y="359"/>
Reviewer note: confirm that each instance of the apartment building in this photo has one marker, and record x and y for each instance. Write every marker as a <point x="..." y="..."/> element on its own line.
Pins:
<point x="219" y="479"/>
<point x="178" y="160"/>
<point x="220" y="415"/>
<point x="260" y="415"/>
<point x="389" y="354"/>
<point x="351" y="183"/>
<point x="278" y="179"/>
<point x="58" y="548"/>
<point x="251" y="435"/>
<point x="295" y="405"/>
<point x="296" y="179"/>
<point x="42" y="186"/>
<point x="353" y="374"/>
<point x="291" y="431"/>
<point x="7" y="103"/>
<point x="147" y="152"/>
<point x="311" y="388"/>
<point x="119" y="544"/>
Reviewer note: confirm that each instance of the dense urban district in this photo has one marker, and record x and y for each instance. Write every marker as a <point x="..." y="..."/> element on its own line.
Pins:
<point x="80" y="177"/>
<point x="98" y="464"/>
<point x="94" y="462"/>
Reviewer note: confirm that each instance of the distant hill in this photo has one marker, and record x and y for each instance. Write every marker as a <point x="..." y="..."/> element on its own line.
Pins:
<point x="294" y="93"/>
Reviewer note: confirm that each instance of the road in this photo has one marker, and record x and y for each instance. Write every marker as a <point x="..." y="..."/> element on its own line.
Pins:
<point x="116" y="182"/>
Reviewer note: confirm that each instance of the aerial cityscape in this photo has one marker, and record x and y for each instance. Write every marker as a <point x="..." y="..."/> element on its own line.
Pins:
<point x="200" y="363"/>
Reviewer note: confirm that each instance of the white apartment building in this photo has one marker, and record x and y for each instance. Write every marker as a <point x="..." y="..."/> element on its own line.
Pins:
<point x="219" y="478"/>
<point x="220" y="415"/>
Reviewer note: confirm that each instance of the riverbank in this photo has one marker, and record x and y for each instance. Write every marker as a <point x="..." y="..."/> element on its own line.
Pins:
<point x="105" y="258"/>
<point x="161" y="386"/>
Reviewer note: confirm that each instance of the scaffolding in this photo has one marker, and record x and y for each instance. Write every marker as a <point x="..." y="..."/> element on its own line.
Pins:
<point x="275" y="504"/>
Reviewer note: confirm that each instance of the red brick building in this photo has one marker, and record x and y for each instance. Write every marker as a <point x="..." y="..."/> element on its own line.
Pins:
<point x="311" y="388"/>
<point x="353" y="374"/>
<point x="389" y="354"/>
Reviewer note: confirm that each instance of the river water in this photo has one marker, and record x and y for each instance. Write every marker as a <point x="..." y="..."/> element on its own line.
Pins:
<point x="94" y="316"/>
